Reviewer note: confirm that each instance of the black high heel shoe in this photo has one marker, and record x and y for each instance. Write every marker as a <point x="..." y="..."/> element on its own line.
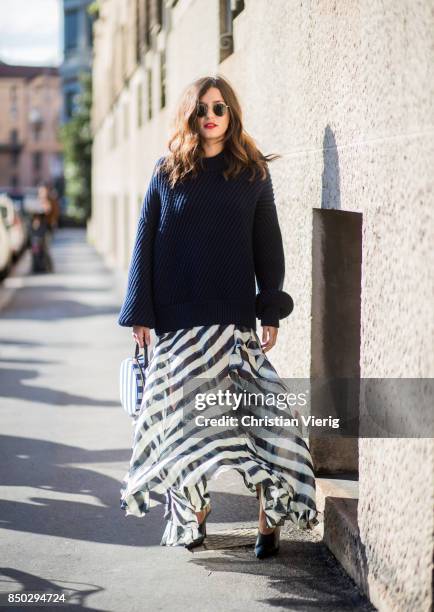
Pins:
<point x="267" y="544"/>
<point x="202" y="530"/>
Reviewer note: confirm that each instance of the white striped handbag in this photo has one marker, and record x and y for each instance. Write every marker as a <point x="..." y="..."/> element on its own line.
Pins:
<point x="132" y="380"/>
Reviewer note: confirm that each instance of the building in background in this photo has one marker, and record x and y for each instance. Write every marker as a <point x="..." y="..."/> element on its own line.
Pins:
<point x="77" y="51"/>
<point x="30" y="103"/>
<point x="345" y="92"/>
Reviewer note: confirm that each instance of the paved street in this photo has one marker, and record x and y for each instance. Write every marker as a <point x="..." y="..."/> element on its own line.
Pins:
<point x="65" y="446"/>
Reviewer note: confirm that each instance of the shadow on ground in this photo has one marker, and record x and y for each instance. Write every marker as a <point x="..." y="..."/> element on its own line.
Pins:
<point x="49" y="467"/>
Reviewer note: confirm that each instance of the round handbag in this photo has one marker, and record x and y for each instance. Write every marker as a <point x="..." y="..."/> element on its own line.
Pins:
<point x="132" y="380"/>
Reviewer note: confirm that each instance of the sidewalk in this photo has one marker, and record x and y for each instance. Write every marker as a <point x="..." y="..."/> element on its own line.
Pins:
<point x="65" y="447"/>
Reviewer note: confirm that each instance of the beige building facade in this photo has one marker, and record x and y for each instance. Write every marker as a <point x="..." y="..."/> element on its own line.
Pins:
<point x="345" y="92"/>
<point x="30" y="103"/>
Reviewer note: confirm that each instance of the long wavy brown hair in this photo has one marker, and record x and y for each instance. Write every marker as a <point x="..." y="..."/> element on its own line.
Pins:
<point x="185" y="147"/>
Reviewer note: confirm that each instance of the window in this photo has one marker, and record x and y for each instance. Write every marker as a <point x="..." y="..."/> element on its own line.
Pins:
<point x="37" y="128"/>
<point x="14" y="104"/>
<point x="14" y="136"/>
<point x="162" y="79"/>
<point x="149" y="75"/>
<point x="138" y="20"/>
<point x="236" y="6"/>
<point x="89" y="26"/>
<point x="71" y="30"/>
<point x="69" y="103"/>
<point x="123" y="45"/>
<point x="160" y="10"/>
<point x="229" y="9"/>
<point x="161" y="16"/>
<point x="37" y="161"/>
<point x="139" y="105"/>
<point x="147" y="23"/>
<point x="55" y="164"/>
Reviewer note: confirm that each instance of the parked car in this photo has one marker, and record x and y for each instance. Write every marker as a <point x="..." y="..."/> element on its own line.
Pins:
<point x="5" y="250"/>
<point x="15" y="225"/>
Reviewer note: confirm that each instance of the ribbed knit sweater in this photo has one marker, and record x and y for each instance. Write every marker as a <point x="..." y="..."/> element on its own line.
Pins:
<point x="200" y="249"/>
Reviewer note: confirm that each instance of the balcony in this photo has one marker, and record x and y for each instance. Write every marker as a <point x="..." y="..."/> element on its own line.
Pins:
<point x="13" y="145"/>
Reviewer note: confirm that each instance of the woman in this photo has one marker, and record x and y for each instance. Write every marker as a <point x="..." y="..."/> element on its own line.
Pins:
<point x="50" y="205"/>
<point x="208" y="226"/>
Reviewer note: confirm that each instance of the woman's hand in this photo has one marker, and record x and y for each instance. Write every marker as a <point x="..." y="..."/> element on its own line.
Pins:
<point x="269" y="337"/>
<point x="141" y="335"/>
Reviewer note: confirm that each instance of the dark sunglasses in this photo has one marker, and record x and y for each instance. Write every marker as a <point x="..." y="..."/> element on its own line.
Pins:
<point x="219" y="109"/>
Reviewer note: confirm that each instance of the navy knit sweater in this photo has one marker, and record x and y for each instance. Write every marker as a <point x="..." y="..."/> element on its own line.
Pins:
<point x="198" y="249"/>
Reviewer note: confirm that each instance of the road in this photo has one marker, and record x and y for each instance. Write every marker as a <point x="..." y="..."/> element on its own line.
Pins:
<point x="65" y="446"/>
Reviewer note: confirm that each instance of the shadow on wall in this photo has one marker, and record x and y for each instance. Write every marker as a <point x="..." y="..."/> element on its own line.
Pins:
<point x="336" y="325"/>
<point x="331" y="192"/>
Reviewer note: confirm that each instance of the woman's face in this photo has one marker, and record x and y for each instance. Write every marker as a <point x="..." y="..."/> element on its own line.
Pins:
<point x="213" y="134"/>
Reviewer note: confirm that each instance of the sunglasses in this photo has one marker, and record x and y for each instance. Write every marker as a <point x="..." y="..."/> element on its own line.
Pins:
<point x="219" y="109"/>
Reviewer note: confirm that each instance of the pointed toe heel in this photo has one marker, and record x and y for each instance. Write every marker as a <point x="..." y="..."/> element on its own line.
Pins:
<point x="268" y="544"/>
<point x="202" y="530"/>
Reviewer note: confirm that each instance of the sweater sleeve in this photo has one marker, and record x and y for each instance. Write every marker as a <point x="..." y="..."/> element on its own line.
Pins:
<point x="272" y="303"/>
<point x="138" y="307"/>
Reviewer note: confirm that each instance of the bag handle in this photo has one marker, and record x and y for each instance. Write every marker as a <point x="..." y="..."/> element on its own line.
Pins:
<point x="145" y="354"/>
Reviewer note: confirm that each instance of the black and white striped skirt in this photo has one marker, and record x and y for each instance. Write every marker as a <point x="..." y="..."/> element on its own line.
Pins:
<point x="173" y="456"/>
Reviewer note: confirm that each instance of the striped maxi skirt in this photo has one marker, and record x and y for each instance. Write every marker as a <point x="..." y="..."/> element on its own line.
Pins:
<point x="174" y="457"/>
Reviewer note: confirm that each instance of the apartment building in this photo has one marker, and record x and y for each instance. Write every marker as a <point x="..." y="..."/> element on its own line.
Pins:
<point x="30" y="102"/>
